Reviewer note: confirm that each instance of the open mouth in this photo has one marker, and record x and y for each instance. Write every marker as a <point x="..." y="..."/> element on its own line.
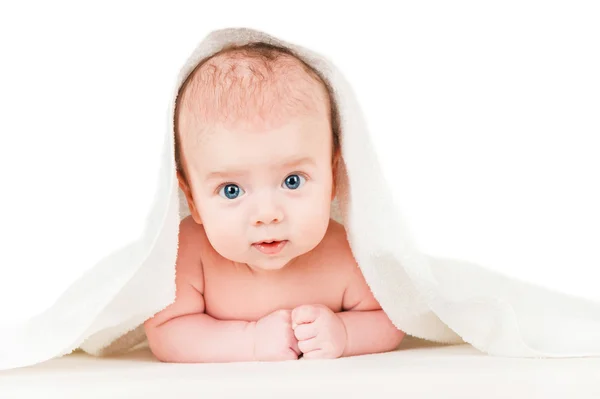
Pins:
<point x="270" y="247"/>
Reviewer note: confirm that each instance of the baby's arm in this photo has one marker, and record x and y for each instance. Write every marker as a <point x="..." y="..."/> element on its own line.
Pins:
<point x="361" y="328"/>
<point x="368" y="328"/>
<point x="182" y="332"/>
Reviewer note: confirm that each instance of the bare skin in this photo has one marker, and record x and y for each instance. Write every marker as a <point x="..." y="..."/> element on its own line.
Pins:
<point x="319" y="306"/>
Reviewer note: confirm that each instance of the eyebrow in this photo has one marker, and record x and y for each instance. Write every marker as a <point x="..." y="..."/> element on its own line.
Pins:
<point x="284" y="165"/>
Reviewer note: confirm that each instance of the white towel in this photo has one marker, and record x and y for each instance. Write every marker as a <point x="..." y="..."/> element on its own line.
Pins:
<point x="439" y="299"/>
<point x="442" y="300"/>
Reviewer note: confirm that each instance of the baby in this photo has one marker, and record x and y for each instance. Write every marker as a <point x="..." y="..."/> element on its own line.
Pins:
<point x="263" y="273"/>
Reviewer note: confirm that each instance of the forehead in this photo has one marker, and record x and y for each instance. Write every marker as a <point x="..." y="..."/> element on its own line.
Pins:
<point x="245" y="147"/>
<point x="245" y="108"/>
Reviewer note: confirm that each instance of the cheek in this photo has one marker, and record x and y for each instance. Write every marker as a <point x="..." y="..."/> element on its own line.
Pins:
<point x="224" y="229"/>
<point x="311" y="218"/>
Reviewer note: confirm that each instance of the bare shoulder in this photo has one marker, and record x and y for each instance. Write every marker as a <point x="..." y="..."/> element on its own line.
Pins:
<point x="189" y="277"/>
<point x="335" y="236"/>
<point x="335" y="243"/>
<point x="335" y="252"/>
<point x="357" y="294"/>
<point x="192" y="238"/>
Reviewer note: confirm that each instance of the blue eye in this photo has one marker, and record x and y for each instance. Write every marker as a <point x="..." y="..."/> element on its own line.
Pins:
<point x="230" y="191"/>
<point x="293" y="181"/>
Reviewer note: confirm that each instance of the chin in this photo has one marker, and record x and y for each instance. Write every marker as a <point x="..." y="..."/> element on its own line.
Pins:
<point x="269" y="266"/>
<point x="272" y="264"/>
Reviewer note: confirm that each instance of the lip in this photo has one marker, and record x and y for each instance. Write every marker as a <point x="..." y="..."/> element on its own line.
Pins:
<point x="270" y="249"/>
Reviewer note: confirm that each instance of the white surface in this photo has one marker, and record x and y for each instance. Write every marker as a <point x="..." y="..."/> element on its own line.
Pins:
<point x="417" y="370"/>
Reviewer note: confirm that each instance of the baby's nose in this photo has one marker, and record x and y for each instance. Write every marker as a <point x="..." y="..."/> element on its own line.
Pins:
<point x="267" y="212"/>
<point x="268" y="217"/>
<point x="266" y="220"/>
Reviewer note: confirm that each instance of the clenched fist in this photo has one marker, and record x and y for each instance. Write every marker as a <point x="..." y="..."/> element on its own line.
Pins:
<point x="321" y="334"/>
<point x="274" y="338"/>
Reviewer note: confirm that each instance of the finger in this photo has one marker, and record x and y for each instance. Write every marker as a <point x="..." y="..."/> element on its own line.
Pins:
<point x="304" y="314"/>
<point x="308" y="345"/>
<point x="285" y="314"/>
<point x="294" y="346"/>
<point x="316" y="354"/>
<point x="305" y="331"/>
<point x="290" y="355"/>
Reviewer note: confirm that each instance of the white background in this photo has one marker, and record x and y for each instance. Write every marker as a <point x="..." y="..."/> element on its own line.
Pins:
<point x="487" y="119"/>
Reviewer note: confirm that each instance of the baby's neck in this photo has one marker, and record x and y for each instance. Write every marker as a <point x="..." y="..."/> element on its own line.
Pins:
<point x="259" y="271"/>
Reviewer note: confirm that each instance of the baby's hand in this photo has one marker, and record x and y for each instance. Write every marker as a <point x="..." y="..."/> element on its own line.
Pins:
<point x="321" y="333"/>
<point x="274" y="338"/>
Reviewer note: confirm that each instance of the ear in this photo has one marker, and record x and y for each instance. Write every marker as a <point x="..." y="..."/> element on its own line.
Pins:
<point x="337" y="158"/>
<point x="185" y="187"/>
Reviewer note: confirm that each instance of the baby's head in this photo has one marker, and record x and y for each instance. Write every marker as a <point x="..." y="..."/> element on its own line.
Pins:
<point x="257" y="145"/>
